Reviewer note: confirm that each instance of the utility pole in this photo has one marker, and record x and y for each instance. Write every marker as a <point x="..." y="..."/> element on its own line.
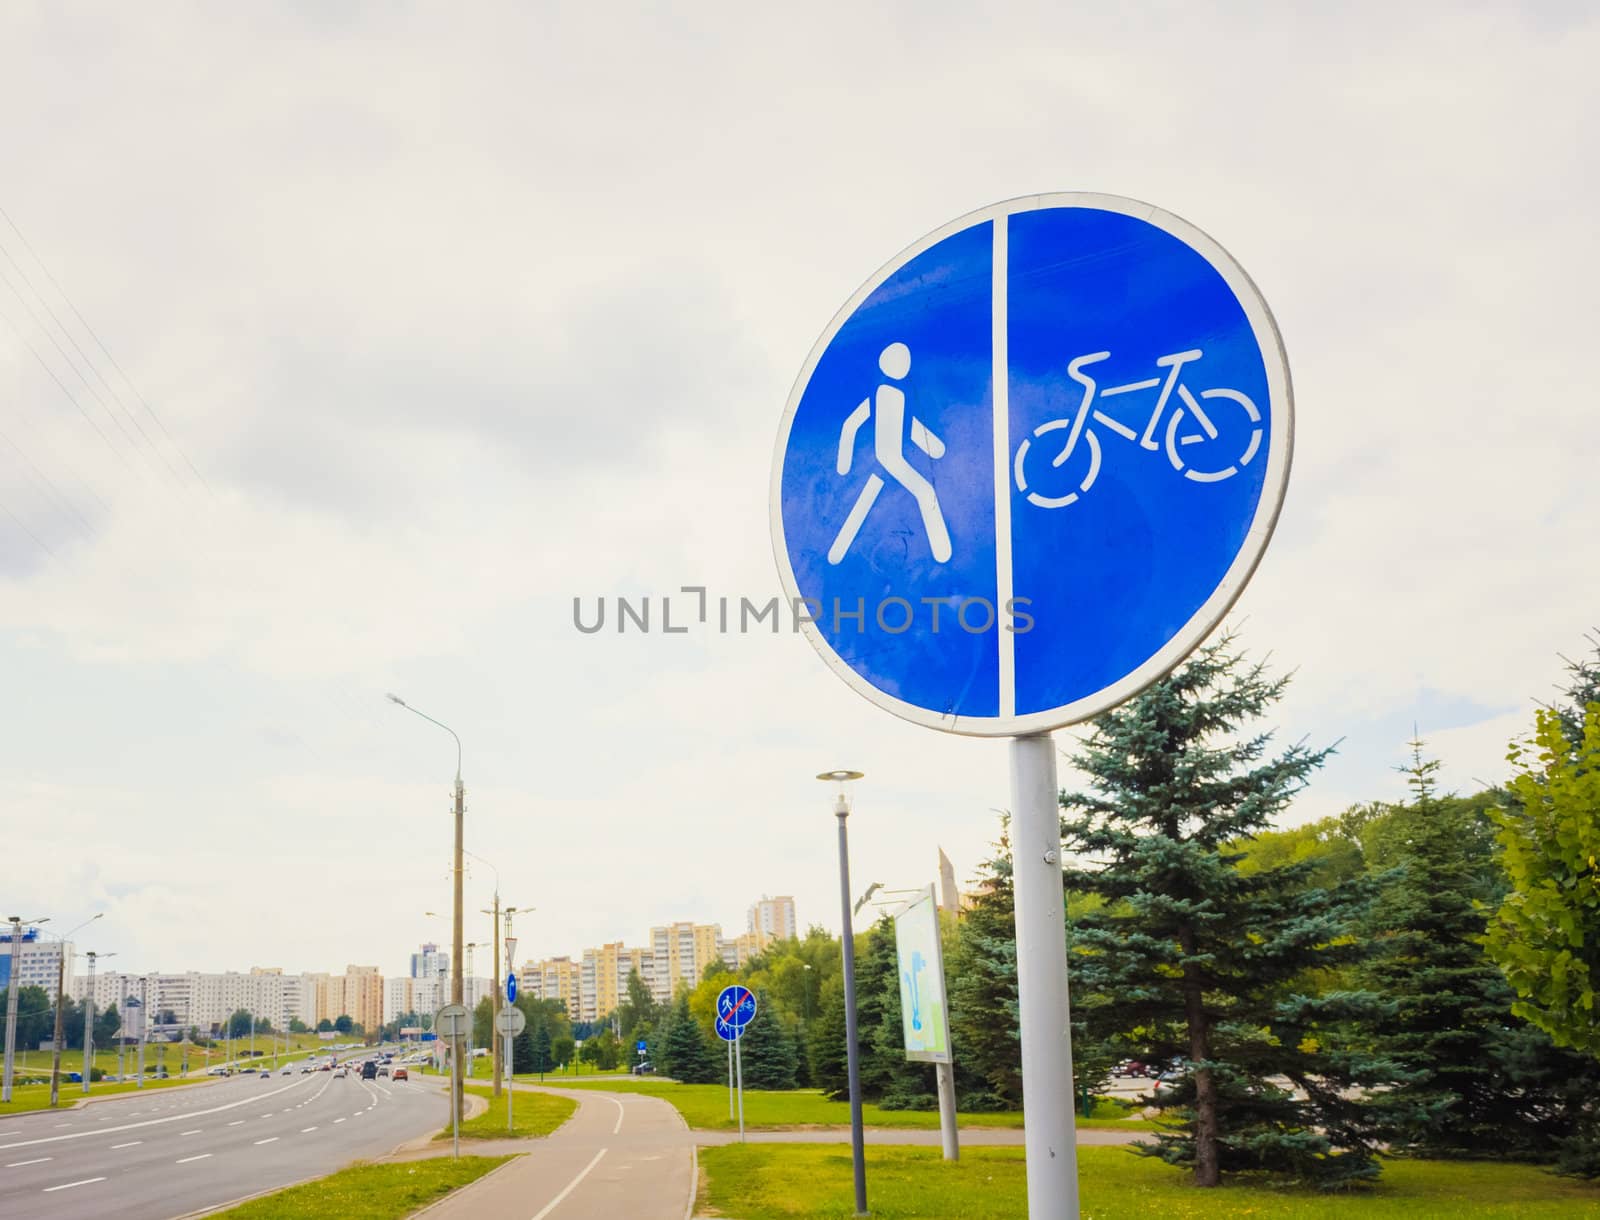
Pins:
<point x="60" y="1032"/>
<point x="13" y="990"/>
<point x="88" y="1025"/>
<point x="494" y="1002"/>
<point x="144" y="1022"/>
<point x="458" y="1080"/>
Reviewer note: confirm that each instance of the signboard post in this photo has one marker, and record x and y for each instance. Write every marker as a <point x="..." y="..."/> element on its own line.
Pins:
<point x="1024" y="471"/>
<point x="452" y="1022"/>
<point x="924" y="1011"/>
<point x="508" y="1023"/>
<point x="736" y="1008"/>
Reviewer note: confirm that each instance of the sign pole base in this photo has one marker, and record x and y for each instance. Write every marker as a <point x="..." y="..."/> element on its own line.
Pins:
<point x="945" y="1074"/>
<point x="1049" y="1125"/>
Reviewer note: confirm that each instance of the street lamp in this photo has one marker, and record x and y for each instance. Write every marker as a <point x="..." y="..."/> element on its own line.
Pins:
<point x="60" y="1030"/>
<point x="841" y="810"/>
<point x="88" y="1021"/>
<point x="13" y="990"/>
<point x="457" y="1087"/>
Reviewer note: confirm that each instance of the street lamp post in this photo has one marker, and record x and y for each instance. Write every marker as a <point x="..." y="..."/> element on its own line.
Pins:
<point x="144" y="1023"/>
<point x="88" y="1021"/>
<point x="13" y="990"/>
<point x="60" y="1030"/>
<point x="457" y="1086"/>
<point x="841" y="810"/>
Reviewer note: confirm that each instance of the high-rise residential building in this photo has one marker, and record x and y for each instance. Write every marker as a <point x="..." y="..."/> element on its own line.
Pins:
<point x="204" y="1000"/>
<point x="38" y="959"/>
<point x="429" y="962"/>
<point x="772" y="919"/>
<point x="603" y="977"/>
<point x="680" y="953"/>
<point x="554" y="978"/>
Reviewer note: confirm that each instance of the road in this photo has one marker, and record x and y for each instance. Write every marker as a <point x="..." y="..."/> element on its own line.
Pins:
<point x="166" y="1153"/>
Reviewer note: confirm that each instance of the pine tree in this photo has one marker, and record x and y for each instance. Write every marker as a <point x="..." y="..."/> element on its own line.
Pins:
<point x="686" y="1052"/>
<point x="826" y="1046"/>
<point x="983" y="989"/>
<point x="1201" y="959"/>
<point x="767" y="1049"/>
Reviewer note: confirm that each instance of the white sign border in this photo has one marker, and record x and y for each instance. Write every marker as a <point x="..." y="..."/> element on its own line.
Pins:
<point x="1279" y="453"/>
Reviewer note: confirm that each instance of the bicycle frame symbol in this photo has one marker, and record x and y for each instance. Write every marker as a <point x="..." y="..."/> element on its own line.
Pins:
<point x="1192" y="450"/>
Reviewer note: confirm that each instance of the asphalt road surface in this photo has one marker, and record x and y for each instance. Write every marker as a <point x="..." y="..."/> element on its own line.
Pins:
<point x="168" y="1152"/>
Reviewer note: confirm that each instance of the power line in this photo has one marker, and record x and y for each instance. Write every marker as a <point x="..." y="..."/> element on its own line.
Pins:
<point x="71" y="397"/>
<point x="128" y="436"/>
<point x="47" y="481"/>
<point x="93" y="334"/>
<point x="6" y="508"/>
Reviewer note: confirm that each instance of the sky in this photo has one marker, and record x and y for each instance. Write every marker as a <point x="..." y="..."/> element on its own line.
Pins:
<point x="437" y="317"/>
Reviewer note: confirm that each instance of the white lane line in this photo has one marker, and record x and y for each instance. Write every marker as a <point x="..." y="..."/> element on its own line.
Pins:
<point x="186" y="1159"/>
<point x="38" y="1160"/>
<point x="129" y="1144"/>
<point x="70" y="1185"/>
<point x="58" y="1126"/>
<point x="304" y="1130"/>
<point x="236" y="1122"/>
<point x="149" y="1122"/>
<point x="338" y="1120"/>
<point x="271" y="1139"/>
<point x="620" y="1113"/>
<point x="196" y="1131"/>
<point x="269" y="1115"/>
<point x="570" y="1187"/>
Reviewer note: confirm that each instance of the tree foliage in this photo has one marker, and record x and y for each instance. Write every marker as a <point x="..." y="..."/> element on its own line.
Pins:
<point x="1196" y="957"/>
<point x="1545" y="935"/>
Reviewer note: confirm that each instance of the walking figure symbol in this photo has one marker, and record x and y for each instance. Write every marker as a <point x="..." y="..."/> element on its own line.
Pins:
<point x="887" y="409"/>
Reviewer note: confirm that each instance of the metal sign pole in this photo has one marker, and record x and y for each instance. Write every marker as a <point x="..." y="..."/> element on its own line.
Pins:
<point x="455" y="1092"/>
<point x="730" y="1081"/>
<point x="511" y="1082"/>
<point x="1049" y="1125"/>
<point x="738" y="1059"/>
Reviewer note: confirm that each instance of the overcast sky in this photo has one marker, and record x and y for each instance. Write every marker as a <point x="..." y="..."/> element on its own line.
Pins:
<point x="463" y="311"/>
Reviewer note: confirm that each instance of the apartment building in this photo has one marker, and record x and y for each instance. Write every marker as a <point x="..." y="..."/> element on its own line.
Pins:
<point x="680" y="953"/>
<point x="603" y="977"/>
<point x="554" y="978"/>
<point x="772" y="919"/>
<point x="357" y="994"/>
<point x="37" y="960"/>
<point x="429" y="962"/>
<point x="207" y="999"/>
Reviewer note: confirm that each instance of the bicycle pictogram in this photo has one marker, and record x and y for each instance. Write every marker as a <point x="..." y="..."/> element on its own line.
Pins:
<point x="1195" y="445"/>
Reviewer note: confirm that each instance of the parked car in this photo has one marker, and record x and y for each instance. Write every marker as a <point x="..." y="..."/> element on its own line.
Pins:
<point x="401" y="1074"/>
<point x="643" y="1069"/>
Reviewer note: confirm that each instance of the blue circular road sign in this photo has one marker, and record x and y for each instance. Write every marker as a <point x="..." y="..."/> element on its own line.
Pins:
<point x="511" y="986"/>
<point x="736" y="1008"/>
<point x="1031" y="463"/>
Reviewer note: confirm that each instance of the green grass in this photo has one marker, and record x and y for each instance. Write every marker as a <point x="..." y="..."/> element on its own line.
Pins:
<point x="534" y="1115"/>
<point x="705" y="1106"/>
<point x="369" y="1192"/>
<point x="25" y="1097"/>
<point x="785" y="1181"/>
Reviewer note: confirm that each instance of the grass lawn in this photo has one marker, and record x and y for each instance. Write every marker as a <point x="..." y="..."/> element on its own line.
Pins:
<point x="535" y="1114"/>
<point x="705" y="1106"/>
<point x="785" y="1181"/>
<point x="369" y="1192"/>
<point x="26" y="1097"/>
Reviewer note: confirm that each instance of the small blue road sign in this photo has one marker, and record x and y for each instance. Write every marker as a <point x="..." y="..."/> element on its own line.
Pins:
<point x="511" y="987"/>
<point x="641" y="1046"/>
<point x="736" y="1007"/>
<point x="1031" y="463"/>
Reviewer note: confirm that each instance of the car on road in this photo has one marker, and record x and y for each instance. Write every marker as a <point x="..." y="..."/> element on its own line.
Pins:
<point x="287" y="1072"/>
<point x="382" y="1071"/>
<point x="306" y="1069"/>
<point x="342" y="1072"/>
<point x="401" y="1074"/>
<point x="265" y="1075"/>
<point x="369" y="1071"/>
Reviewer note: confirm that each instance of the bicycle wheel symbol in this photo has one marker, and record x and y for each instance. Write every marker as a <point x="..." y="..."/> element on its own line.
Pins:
<point x="1178" y="440"/>
<point x="1019" y="466"/>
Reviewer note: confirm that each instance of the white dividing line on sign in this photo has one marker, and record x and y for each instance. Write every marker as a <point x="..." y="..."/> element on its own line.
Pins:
<point x="1000" y="380"/>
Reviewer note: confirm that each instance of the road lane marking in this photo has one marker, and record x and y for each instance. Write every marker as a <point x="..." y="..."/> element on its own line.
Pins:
<point x="70" y="1185"/>
<point x="196" y="1131"/>
<point x="271" y="1139"/>
<point x="620" y="1113"/>
<point x="236" y="1122"/>
<point x="149" y="1122"/>
<point x="303" y="1130"/>
<point x="38" y="1160"/>
<point x="570" y="1187"/>
<point x="186" y="1159"/>
<point x="338" y="1120"/>
<point x="129" y="1144"/>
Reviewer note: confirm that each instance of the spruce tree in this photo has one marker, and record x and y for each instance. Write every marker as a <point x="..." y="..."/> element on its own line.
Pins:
<point x="767" y="1049"/>
<point x="983" y="991"/>
<point x="1202" y="960"/>
<point x="826" y="1041"/>
<point x="686" y="1049"/>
